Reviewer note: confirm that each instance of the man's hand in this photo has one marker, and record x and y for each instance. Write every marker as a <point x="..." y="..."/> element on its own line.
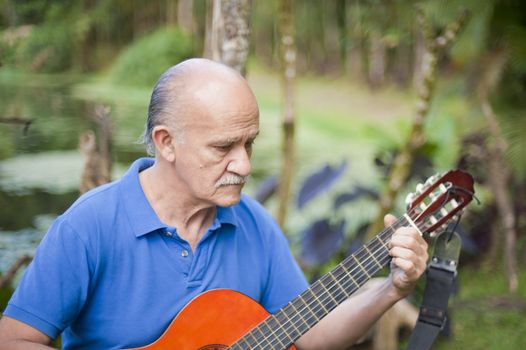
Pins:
<point x="343" y="326"/>
<point x="409" y="252"/>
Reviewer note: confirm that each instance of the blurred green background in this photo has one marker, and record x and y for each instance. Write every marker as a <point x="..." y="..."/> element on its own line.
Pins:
<point x="355" y="91"/>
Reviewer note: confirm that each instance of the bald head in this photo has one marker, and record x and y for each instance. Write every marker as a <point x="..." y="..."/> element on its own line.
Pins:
<point x="183" y="88"/>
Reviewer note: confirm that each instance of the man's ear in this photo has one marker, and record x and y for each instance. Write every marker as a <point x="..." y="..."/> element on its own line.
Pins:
<point x="164" y="142"/>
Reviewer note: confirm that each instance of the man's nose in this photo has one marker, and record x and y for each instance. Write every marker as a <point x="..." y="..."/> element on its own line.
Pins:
<point x="240" y="162"/>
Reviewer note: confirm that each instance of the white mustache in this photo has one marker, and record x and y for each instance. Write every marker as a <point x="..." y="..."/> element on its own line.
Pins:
<point x="232" y="179"/>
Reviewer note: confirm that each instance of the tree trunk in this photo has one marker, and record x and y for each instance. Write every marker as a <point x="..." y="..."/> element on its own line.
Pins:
<point x="7" y="278"/>
<point x="97" y="156"/>
<point x="499" y="172"/>
<point x="10" y="13"/>
<point x="185" y="15"/>
<point x="402" y="163"/>
<point x="420" y="49"/>
<point x="171" y="12"/>
<point x="341" y="18"/>
<point x="228" y="32"/>
<point x="288" y="73"/>
<point x="498" y="177"/>
<point x="377" y="60"/>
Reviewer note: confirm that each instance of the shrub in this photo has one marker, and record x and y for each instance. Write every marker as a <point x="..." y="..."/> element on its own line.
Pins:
<point x="147" y="58"/>
<point x="49" y="48"/>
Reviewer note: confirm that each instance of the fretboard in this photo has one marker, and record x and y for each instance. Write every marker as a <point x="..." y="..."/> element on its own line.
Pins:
<point x="282" y="329"/>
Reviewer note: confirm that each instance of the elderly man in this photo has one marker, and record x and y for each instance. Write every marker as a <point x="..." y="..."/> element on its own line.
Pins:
<point x="117" y="266"/>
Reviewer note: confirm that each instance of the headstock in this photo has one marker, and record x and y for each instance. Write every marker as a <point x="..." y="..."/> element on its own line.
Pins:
<point x="439" y="200"/>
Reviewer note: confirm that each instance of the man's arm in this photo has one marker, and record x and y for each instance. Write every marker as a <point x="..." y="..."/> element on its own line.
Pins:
<point x="350" y="320"/>
<point x="16" y="335"/>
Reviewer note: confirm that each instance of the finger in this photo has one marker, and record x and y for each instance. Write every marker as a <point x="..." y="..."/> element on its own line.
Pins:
<point x="404" y="253"/>
<point x="389" y="220"/>
<point x="419" y="258"/>
<point x="409" y="268"/>
<point x="408" y="237"/>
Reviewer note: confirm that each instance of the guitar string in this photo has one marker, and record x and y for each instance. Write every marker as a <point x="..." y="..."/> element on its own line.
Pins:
<point x="310" y="301"/>
<point x="316" y="304"/>
<point x="307" y="303"/>
<point x="320" y="305"/>
<point x="375" y="240"/>
<point x="368" y="264"/>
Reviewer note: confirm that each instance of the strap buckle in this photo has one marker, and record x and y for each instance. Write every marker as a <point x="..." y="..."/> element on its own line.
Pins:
<point x="441" y="275"/>
<point x="433" y="316"/>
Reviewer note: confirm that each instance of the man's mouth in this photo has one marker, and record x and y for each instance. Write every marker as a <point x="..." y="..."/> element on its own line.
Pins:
<point x="231" y="179"/>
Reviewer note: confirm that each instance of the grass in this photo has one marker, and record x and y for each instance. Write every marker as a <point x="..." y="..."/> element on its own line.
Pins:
<point x="485" y="316"/>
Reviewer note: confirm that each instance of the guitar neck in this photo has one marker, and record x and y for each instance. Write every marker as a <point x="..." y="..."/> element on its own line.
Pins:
<point x="280" y="330"/>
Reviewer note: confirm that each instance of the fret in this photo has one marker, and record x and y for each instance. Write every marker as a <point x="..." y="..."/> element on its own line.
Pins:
<point x="356" y="284"/>
<point x="294" y="326"/>
<point x="337" y="283"/>
<point x="311" y="317"/>
<point x="298" y="313"/>
<point x="276" y="330"/>
<point x="283" y="330"/>
<point x="243" y="340"/>
<point x="265" y="333"/>
<point x="316" y="292"/>
<point x="235" y="346"/>
<point x="280" y="330"/>
<point x="284" y="320"/>
<point x="283" y="345"/>
<point x="361" y="266"/>
<point x="252" y="338"/>
<point x="382" y="242"/>
<point x="258" y="329"/>
<point x="372" y="256"/>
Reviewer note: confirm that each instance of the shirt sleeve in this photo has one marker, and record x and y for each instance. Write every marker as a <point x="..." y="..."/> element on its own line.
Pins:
<point x="286" y="280"/>
<point x="55" y="285"/>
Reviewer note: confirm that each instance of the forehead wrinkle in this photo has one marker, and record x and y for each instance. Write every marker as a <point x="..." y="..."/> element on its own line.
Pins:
<point x="235" y="139"/>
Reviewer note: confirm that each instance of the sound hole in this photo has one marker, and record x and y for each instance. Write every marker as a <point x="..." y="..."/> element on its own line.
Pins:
<point x="214" y="347"/>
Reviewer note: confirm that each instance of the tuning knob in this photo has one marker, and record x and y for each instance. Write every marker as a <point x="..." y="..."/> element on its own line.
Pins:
<point x="430" y="180"/>
<point x="409" y="198"/>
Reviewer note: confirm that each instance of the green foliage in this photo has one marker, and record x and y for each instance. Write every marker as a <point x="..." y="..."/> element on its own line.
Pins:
<point x="8" y="51"/>
<point x="147" y="58"/>
<point x="484" y="315"/>
<point x="49" y="48"/>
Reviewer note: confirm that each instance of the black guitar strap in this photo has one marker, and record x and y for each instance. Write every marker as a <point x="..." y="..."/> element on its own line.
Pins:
<point x="440" y="278"/>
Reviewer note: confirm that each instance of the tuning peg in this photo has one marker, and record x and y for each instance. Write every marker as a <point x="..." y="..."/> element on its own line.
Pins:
<point x="409" y="198"/>
<point x="419" y="188"/>
<point x="430" y="180"/>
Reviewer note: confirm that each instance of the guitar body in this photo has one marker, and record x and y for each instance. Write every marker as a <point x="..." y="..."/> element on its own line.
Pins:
<point x="211" y="321"/>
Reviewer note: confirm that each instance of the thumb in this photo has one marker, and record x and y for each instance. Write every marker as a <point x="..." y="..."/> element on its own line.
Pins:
<point x="389" y="219"/>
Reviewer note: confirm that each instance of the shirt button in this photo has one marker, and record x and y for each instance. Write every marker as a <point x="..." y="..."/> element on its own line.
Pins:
<point x="184" y="253"/>
<point x="168" y="234"/>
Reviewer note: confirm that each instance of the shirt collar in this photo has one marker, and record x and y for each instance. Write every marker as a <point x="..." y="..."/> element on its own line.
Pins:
<point x="141" y="215"/>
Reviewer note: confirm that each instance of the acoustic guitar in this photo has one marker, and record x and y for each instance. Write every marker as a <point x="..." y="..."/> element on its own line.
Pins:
<point x="225" y="319"/>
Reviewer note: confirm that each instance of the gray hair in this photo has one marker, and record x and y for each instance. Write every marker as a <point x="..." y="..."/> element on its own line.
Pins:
<point x="166" y="104"/>
<point x="170" y="99"/>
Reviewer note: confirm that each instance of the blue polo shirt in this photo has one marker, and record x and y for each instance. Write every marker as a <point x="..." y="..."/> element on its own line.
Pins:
<point x="109" y="274"/>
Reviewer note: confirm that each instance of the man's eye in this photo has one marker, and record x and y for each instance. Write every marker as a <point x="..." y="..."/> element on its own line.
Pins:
<point x="223" y="148"/>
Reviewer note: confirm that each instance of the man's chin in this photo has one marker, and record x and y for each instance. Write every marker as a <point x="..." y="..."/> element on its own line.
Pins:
<point x="230" y="197"/>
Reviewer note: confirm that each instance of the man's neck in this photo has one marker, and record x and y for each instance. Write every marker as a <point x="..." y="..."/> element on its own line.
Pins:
<point x="190" y="217"/>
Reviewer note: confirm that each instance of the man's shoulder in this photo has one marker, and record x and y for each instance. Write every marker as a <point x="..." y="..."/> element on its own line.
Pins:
<point x="99" y="198"/>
